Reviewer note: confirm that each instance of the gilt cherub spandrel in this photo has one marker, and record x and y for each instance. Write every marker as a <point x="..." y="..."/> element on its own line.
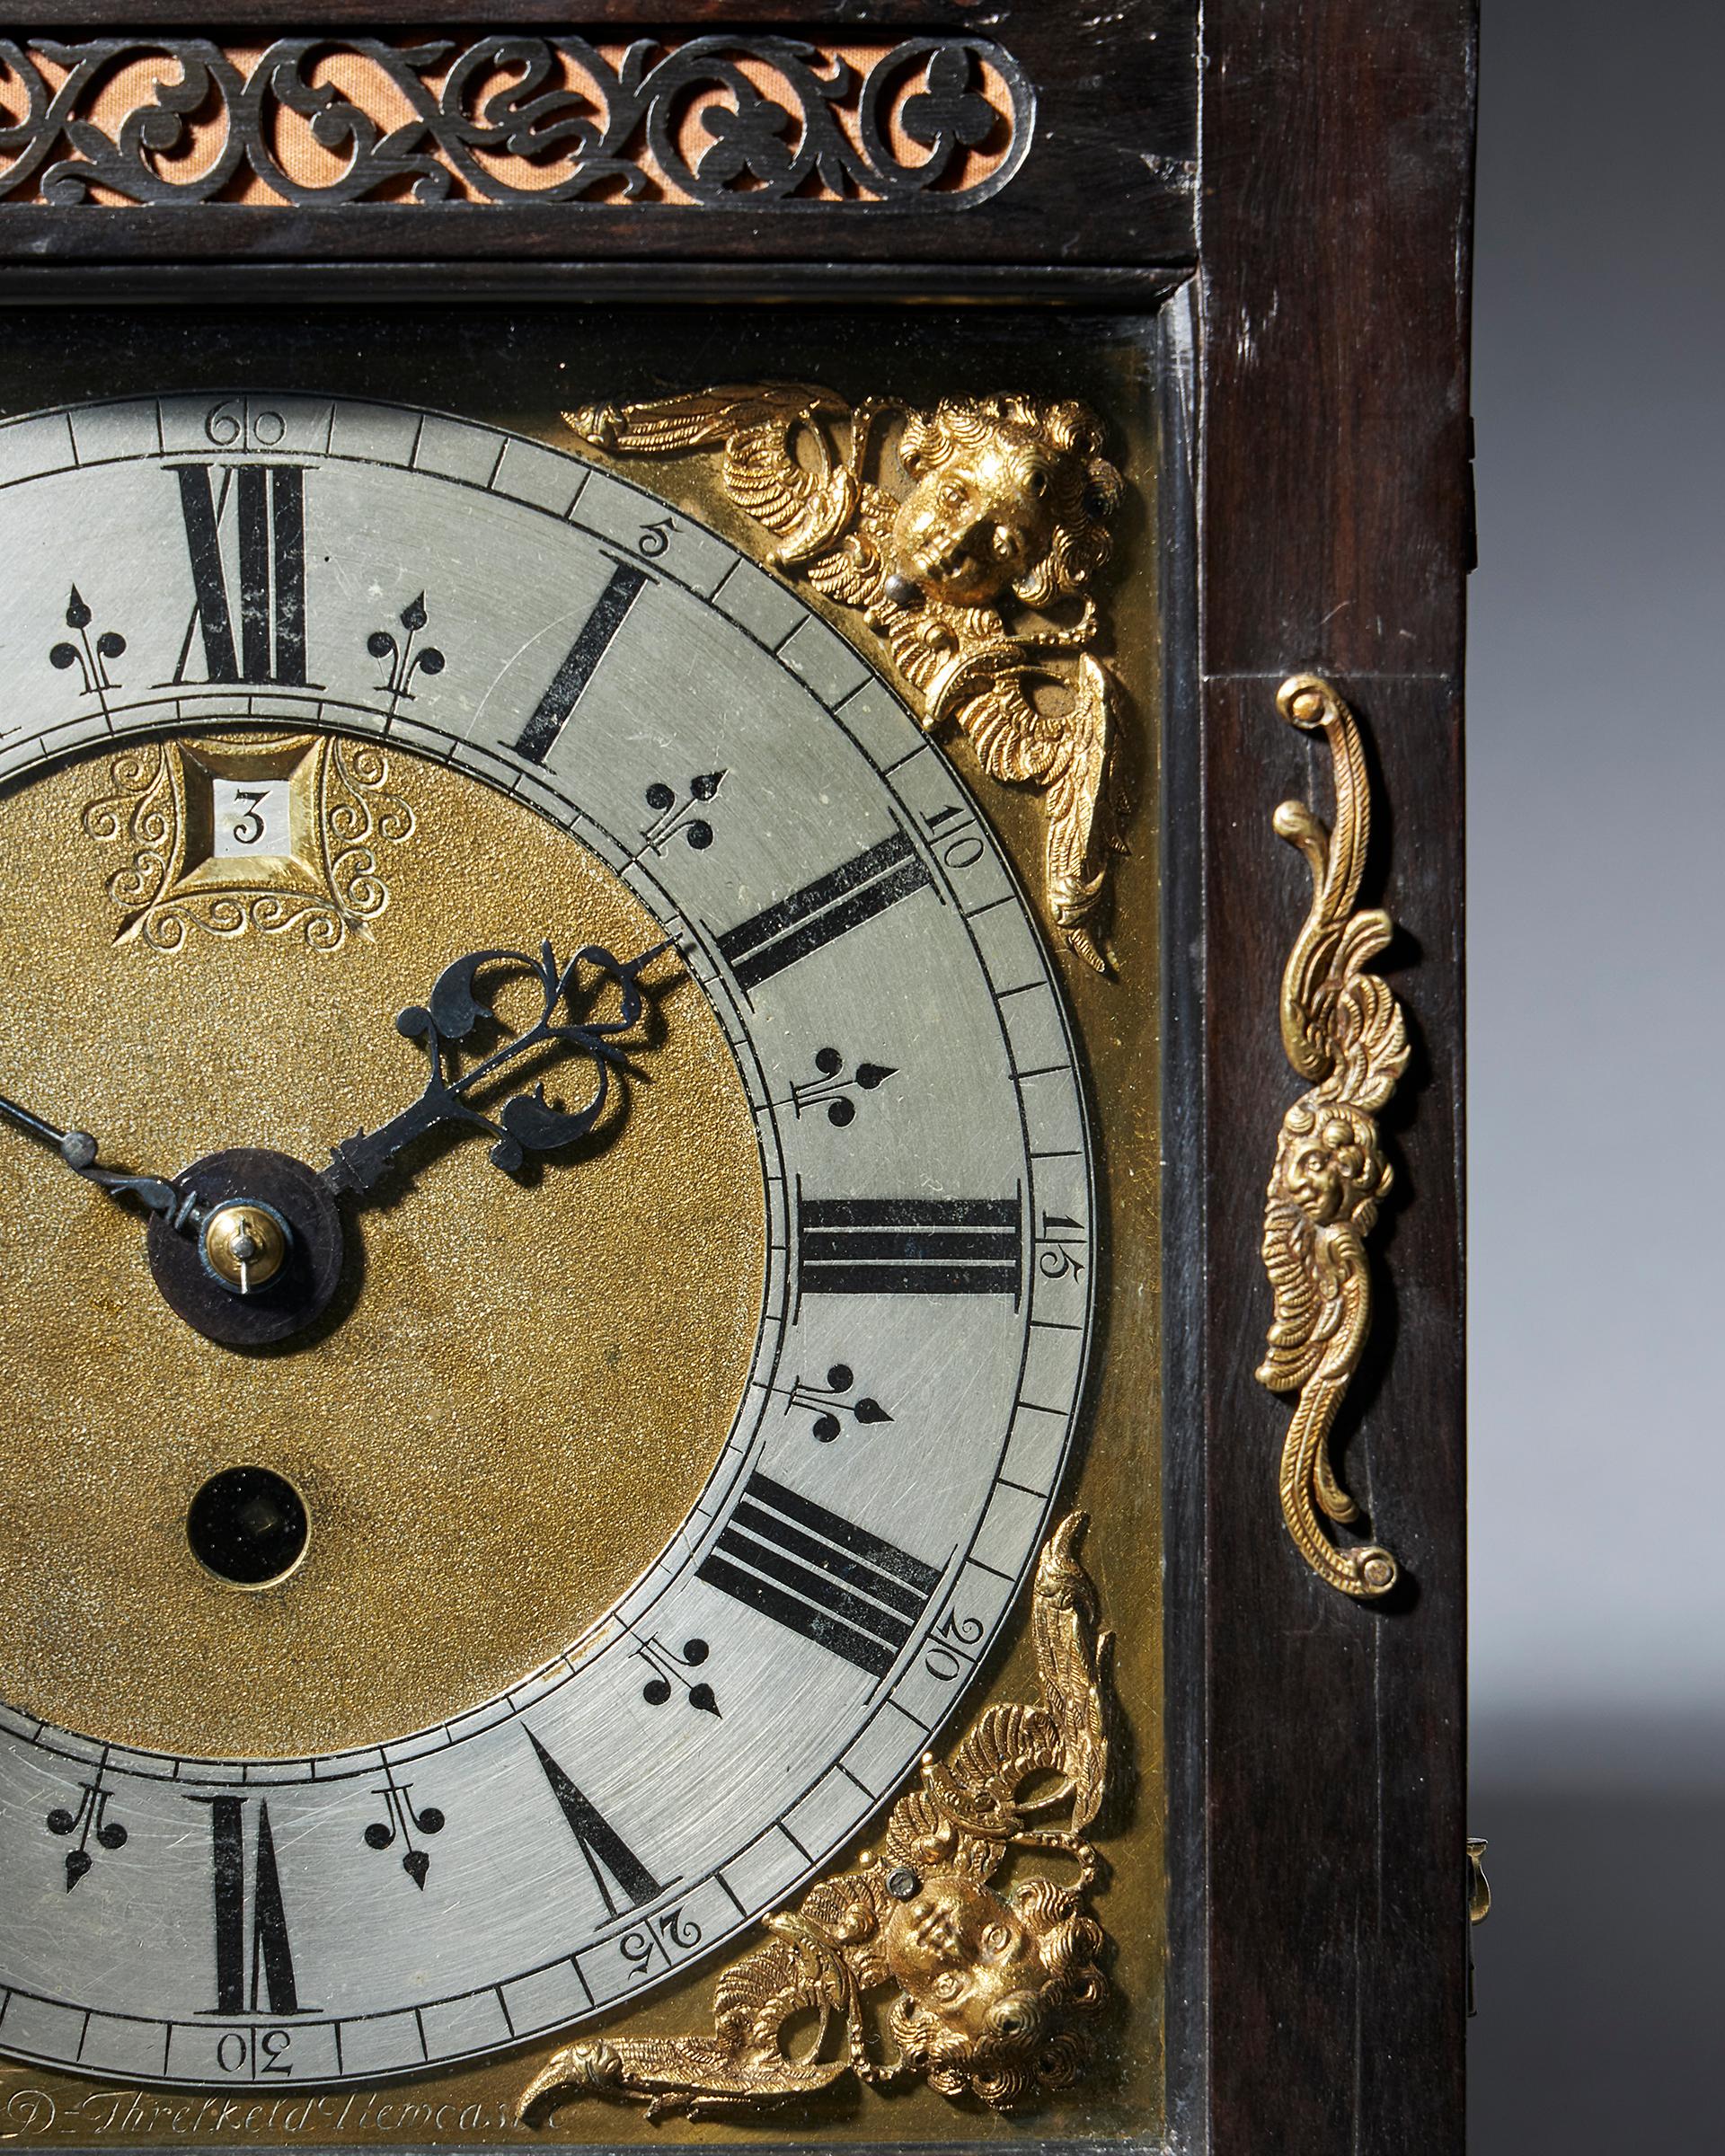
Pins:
<point x="998" y="1988"/>
<point x="976" y="573"/>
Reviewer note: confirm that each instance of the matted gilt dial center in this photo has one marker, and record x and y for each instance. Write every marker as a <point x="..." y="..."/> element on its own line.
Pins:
<point x="461" y="1370"/>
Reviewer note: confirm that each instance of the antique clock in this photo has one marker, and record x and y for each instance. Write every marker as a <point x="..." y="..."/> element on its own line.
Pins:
<point x="728" y="1076"/>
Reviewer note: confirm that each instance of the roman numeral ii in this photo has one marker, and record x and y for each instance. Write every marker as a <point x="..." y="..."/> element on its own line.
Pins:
<point x="823" y="911"/>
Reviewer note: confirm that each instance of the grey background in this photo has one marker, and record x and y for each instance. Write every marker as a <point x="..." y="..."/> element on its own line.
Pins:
<point x="1597" y="806"/>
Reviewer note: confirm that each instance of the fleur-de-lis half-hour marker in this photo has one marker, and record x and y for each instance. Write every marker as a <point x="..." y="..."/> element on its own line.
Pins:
<point x="90" y="1819"/>
<point x="833" y="1402"/>
<point x="402" y="660"/>
<point x="89" y="655"/>
<point x="834" y="1089"/>
<point x="673" y="813"/>
<point x="401" y="1823"/>
<point x="668" y="1667"/>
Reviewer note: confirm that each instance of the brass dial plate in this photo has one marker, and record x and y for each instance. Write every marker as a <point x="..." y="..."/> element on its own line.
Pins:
<point x="922" y="1159"/>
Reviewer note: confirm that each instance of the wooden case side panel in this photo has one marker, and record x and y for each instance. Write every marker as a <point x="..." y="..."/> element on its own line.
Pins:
<point x="1335" y="1922"/>
<point x="1335" y="224"/>
<point x="1334" y="489"/>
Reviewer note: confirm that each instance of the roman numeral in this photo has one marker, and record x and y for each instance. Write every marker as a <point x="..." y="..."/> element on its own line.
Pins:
<point x="261" y="1970"/>
<point x="909" y="1246"/>
<point x="269" y="516"/>
<point x="609" y="1858"/>
<point x="807" y="1568"/>
<point x="822" y="910"/>
<point x="568" y="685"/>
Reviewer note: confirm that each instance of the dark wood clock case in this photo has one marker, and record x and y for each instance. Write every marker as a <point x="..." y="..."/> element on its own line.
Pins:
<point x="1282" y="190"/>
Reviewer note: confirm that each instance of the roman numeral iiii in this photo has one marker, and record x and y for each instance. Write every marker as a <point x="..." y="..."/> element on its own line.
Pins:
<point x="841" y="1587"/>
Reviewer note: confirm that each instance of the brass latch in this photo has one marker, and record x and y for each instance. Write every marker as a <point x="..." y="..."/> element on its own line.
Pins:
<point x="1479" y="1904"/>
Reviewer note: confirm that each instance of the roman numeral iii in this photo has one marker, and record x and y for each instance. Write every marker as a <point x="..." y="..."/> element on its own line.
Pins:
<point x="910" y="1246"/>
<point x="268" y="606"/>
<point x="808" y="1568"/>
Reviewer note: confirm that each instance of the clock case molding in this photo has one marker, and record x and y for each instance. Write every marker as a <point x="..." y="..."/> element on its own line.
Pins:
<point x="1291" y="211"/>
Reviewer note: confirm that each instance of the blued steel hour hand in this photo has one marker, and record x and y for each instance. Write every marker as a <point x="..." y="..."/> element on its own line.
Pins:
<point x="587" y="1006"/>
<point x="79" y="1151"/>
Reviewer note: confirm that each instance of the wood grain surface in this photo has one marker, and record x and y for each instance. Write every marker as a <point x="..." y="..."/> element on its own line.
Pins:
<point x="1334" y="515"/>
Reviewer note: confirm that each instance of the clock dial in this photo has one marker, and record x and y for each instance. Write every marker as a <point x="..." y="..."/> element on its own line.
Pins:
<point x="607" y="1529"/>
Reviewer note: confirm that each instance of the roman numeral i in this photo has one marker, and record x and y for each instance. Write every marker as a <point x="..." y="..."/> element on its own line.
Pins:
<point x="580" y="663"/>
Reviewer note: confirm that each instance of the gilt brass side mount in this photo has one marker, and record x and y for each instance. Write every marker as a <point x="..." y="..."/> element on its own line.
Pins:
<point x="1343" y="1032"/>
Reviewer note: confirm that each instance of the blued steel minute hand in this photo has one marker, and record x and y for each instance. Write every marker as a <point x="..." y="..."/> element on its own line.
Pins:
<point x="455" y="1011"/>
<point x="79" y="1150"/>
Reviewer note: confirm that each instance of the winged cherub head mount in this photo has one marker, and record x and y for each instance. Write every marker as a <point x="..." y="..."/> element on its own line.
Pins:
<point x="969" y="547"/>
<point x="999" y="1985"/>
<point x="1009" y="495"/>
<point x="995" y="1990"/>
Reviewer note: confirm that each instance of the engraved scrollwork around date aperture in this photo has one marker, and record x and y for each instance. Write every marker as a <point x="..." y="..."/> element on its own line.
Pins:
<point x="988" y="1989"/>
<point x="1343" y="1032"/>
<point x="326" y="884"/>
<point x="969" y="544"/>
<point x="358" y="815"/>
<point x="332" y="119"/>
